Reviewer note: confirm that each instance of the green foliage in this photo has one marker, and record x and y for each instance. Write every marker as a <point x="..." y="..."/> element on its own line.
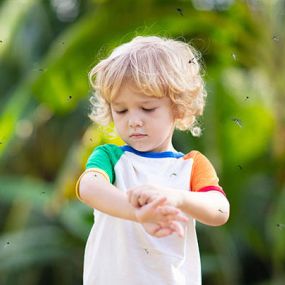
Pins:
<point x="34" y="234"/>
<point x="46" y="136"/>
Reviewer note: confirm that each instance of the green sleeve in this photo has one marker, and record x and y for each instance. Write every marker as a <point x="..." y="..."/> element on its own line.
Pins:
<point x="105" y="158"/>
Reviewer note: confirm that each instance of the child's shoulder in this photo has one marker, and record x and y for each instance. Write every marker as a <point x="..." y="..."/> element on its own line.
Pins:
<point x="196" y="156"/>
<point x="110" y="150"/>
<point x="108" y="147"/>
<point x="192" y="154"/>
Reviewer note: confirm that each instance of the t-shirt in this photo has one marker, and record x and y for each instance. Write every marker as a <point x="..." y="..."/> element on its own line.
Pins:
<point x="119" y="251"/>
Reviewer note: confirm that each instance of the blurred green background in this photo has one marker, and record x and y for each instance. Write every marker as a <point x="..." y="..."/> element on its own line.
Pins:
<point x="47" y="48"/>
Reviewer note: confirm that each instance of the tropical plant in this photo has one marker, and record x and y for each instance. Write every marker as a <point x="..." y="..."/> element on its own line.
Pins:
<point x="46" y="51"/>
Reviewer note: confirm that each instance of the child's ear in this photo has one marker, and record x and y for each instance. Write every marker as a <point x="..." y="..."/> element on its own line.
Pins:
<point x="177" y="113"/>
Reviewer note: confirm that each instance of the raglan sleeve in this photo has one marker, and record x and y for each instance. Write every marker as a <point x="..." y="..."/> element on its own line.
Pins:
<point x="203" y="176"/>
<point x="100" y="161"/>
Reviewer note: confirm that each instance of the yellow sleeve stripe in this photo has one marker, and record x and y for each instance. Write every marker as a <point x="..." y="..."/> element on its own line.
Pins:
<point x="95" y="170"/>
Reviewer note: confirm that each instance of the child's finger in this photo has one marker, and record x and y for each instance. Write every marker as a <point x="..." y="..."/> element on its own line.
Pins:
<point x="163" y="232"/>
<point x="181" y="217"/>
<point x="133" y="200"/>
<point x="173" y="213"/>
<point x="143" y="199"/>
<point x="168" y="210"/>
<point x="178" y="228"/>
<point x="157" y="202"/>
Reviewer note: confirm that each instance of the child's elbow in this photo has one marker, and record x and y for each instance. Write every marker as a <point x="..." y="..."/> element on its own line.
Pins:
<point x="222" y="215"/>
<point x="80" y="190"/>
<point x="221" y="220"/>
<point x="83" y="188"/>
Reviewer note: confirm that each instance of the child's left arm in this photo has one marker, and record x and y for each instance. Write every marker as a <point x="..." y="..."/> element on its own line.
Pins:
<point x="211" y="208"/>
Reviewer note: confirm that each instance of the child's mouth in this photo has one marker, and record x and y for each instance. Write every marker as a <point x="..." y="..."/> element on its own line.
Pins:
<point x="138" y="136"/>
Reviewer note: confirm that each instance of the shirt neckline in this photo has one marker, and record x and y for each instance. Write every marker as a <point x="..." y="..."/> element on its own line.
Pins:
<point x="150" y="154"/>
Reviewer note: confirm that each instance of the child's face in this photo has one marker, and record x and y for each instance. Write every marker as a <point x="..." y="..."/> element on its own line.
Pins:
<point x="143" y="122"/>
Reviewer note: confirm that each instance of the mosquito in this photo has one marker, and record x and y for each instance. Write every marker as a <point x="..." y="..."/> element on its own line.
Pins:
<point x="179" y="10"/>
<point x="280" y="226"/>
<point x="146" y="250"/>
<point x="221" y="211"/>
<point x="238" y="122"/>
<point x="191" y="60"/>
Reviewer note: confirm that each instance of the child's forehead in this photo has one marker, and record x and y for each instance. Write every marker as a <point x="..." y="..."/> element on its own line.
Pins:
<point x="140" y="98"/>
<point x="129" y="91"/>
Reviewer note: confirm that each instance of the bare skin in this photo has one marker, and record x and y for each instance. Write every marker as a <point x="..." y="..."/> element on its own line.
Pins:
<point x="210" y="208"/>
<point x="158" y="218"/>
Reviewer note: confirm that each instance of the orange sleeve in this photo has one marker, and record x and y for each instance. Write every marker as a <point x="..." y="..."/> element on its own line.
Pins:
<point x="203" y="177"/>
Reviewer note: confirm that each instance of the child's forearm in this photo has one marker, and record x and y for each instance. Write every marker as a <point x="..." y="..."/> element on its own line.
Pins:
<point x="211" y="208"/>
<point x="98" y="193"/>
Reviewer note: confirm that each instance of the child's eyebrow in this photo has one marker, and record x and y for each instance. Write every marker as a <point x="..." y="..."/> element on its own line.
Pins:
<point x="150" y="101"/>
<point x="117" y="103"/>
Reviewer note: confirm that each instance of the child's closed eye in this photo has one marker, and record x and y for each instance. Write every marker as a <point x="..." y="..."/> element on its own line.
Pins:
<point x="121" y="111"/>
<point x="149" y="109"/>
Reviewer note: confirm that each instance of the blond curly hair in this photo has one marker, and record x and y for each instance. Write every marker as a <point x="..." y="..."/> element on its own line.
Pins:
<point x="158" y="66"/>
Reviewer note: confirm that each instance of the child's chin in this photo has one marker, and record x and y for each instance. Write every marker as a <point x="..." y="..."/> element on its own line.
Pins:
<point x="141" y="148"/>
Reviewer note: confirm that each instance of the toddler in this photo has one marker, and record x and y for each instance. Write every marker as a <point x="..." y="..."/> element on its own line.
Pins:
<point x="146" y="195"/>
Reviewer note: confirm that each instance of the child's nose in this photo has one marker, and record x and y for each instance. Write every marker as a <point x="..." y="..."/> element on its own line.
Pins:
<point x="135" y="122"/>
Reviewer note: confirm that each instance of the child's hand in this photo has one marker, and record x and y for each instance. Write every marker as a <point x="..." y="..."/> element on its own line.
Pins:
<point x="159" y="230"/>
<point x="158" y="212"/>
<point x="144" y="194"/>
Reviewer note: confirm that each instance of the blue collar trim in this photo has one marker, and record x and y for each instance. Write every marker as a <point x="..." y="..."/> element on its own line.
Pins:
<point x="152" y="154"/>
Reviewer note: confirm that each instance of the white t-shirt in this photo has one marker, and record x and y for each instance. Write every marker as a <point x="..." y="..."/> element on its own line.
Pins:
<point x="120" y="252"/>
